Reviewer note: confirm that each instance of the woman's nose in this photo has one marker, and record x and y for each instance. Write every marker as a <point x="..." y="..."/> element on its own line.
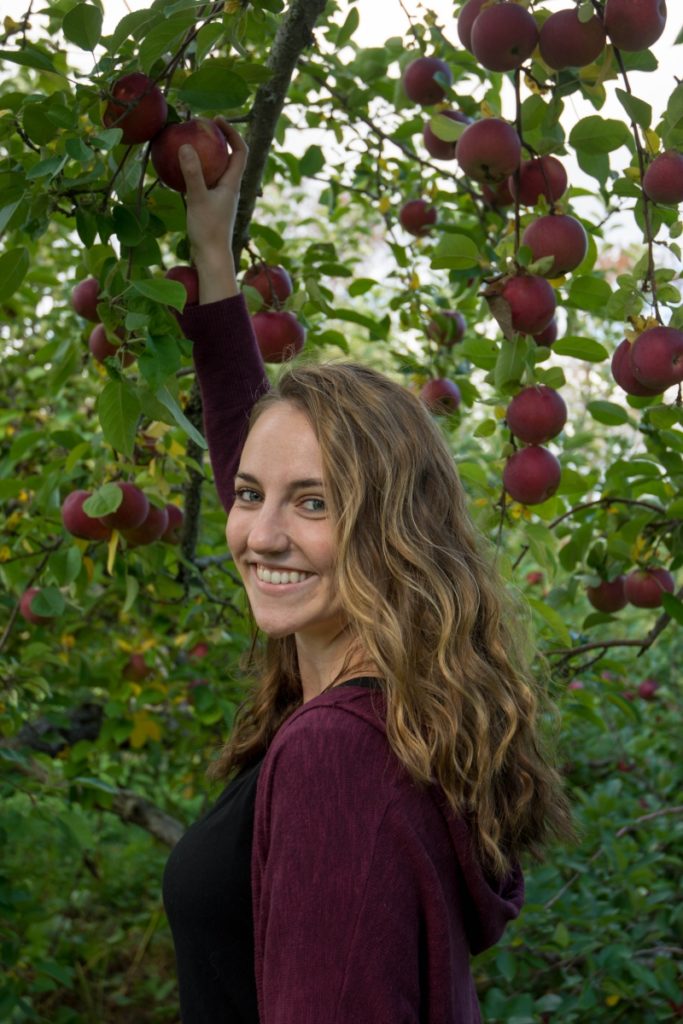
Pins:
<point x="268" y="532"/>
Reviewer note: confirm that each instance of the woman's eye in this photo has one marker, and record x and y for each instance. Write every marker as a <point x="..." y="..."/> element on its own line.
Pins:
<point x="315" y="501"/>
<point x="243" y="493"/>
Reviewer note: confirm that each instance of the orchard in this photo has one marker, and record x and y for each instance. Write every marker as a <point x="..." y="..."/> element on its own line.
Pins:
<point x="485" y="207"/>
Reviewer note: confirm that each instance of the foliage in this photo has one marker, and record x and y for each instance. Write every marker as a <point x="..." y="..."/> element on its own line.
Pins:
<point x="84" y="936"/>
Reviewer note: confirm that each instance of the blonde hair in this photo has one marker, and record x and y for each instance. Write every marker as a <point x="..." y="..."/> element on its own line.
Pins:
<point x="427" y="607"/>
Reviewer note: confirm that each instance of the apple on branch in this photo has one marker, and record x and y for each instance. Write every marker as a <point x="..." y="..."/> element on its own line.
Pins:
<point x="84" y="299"/>
<point x="26" y="610"/>
<point x="419" y="83"/>
<point x="609" y="595"/>
<point x="273" y="283"/>
<point x="560" y="236"/>
<point x="468" y="15"/>
<point x="138" y="107"/>
<point x="417" y="217"/>
<point x="189" y="279"/>
<point x="536" y="414"/>
<point x="79" y="523"/>
<point x="532" y="475"/>
<point x="623" y="373"/>
<point x="102" y="348"/>
<point x="279" y="335"/>
<point x="438" y="148"/>
<point x="542" y="176"/>
<point x="663" y="179"/>
<point x="441" y="396"/>
<point x="644" y="587"/>
<point x="488" y="150"/>
<point x="530" y="299"/>
<point x="656" y="358"/>
<point x="446" y="327"/>
<point x="503" y="36"/>
<point x="634" y="25"/>
<point x="152" y="528"/>
<point x="173" y="531"/>
<point x="131" y="512"/>
<point x="205" y="137"/>
<point x="565" y="41"/>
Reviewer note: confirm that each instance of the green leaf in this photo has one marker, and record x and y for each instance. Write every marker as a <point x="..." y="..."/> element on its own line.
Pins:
<point x="118" y="408"/>
<point x="29" y="57"/>
<point x="83" y="26"/>
<point x="360" y="286"/>
<point x="455" y="252"/>
<point x="171" y="293"/>
<point x="164" y="37"/>
<point x="638" y="110"/>
<point x="214" y="87"/>
<point x="127" y="227"/>
<point x="48" y="601"/>
<point x="555" y="619"/>
<point x="13" y="269"/>
<point x="599" y="135"/>
<point x="608" y="412"/>
<point x="159" y="361"/>
<point x="589" y="293"/>
<point x="312" y="161"/>
<point x="104" y="500"/>
<point x="348" y="28"/>
<point x="673" y="607"/>
<point x="445" y="128"/>
<point x="581" y="348"/>
<point x="170" y="403"/>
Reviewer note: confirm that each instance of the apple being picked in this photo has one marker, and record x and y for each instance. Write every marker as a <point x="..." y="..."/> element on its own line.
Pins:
<point x="417" y="217"/>
<point x="189" y="279"/>
<point x="84" y="298"/>
<point x="273" y="283"/>
<point x="79" y="523"/>
<point x="205" y="137"/>
<point x="419" y="83"/>
<point x="441" y="396"/>
<point x="137" y="107"/>
<point x="279" y="334"/>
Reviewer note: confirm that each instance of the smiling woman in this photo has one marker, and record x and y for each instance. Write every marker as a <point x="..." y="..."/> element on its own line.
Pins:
<point x="385" y="773"/>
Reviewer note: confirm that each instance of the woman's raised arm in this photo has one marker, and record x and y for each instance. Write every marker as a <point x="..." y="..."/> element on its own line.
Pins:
<point x="229" y="367"/>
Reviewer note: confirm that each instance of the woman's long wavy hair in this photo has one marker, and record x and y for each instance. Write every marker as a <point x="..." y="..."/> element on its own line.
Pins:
<point x="428" y="607"/>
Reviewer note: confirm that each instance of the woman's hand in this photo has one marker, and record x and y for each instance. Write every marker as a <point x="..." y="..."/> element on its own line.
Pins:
<point x="211" y="216"/>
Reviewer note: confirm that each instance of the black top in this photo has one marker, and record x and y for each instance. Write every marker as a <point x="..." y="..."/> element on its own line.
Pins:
<point x="207" y="896"/>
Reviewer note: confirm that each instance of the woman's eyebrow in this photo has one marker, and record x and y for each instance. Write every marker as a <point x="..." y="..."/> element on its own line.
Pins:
<point x="294" y="485"/>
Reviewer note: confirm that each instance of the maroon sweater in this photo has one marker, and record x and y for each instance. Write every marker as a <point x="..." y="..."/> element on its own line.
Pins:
<point x="367" y="898"/>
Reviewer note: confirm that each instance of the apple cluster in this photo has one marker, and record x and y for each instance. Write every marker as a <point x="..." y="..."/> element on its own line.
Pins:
<point x="136" y="518"/>
<point x="280" y="336"/>
<point x="501" y="36"/>
<point x="643" y="588"/>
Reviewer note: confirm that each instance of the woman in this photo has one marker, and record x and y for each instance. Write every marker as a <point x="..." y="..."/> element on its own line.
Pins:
<point x="389" y="771"/>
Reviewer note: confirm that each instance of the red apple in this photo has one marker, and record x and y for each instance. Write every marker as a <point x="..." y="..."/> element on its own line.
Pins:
<point x="189" y="279"/>
<point x="280" y="336"/>
<point x="644" y="587"/>
<point x="531" y="300"/>
<point x="136" y="668"/>
<point x="468" y="15"/>
<point x="204" y="136"/>
<point x="503" y="36"/>
<point x="173" y="531"/>
<point x="532" y="475"/>
<point x="78" y="522"/>
<point x="542" y="176"/>
<point x="560" y="236"/>
<point x="131" y="512"/>
<point x="498" y="195"/>
<point x="656" y="358"/>
<point x="663" y="179"/>
<point x="417" y="217"/>
<point x="648" y="688"/>
<point x="439" y="148"/>
<point x="446" y="327"/>
<point x="84" y="298"/>
<point x="548" y="335"/>
<point x="26" y="611"/>
<point x="609" y="595"/>
<point x="634" y="24"/>
<point x="623" y="374"/>
<point x="138" y="107"/>
<point x="152" y="528"/>
<point x="441" y="395"/>
<point x="534" y="578"/>
<point x="567" y="42"/>
<point x="575" y="684"/>
<point x="419" y="83"/>
<point x="536" y="414"/>
<point x="273" y="283"/>
<point x="200" y="650"/>
<point x="488" y="150"/>
<point x="101" y="348"/>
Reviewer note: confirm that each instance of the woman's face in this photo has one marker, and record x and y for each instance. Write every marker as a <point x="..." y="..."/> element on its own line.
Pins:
<point x="280" y="524"/>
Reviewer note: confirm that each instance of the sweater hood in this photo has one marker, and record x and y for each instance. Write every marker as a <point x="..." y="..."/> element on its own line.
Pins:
<point x="489" y="903"/>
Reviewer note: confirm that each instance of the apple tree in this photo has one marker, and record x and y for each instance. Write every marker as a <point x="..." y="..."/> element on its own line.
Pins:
<point x="433" y="206"/>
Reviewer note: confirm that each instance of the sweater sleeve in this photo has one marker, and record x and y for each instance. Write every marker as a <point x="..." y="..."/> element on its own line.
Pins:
<point x="336" y="907"/>
<point x="231" y="377"/>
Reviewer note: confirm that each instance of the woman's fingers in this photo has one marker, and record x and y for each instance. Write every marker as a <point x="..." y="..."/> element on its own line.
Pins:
<point x="192" y="172"/>
<point x="238" y="154"/>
